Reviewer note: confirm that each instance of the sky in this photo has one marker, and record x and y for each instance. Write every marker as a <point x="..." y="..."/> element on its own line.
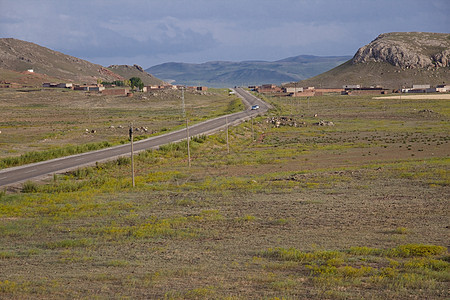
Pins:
<point x="153" y="32"/>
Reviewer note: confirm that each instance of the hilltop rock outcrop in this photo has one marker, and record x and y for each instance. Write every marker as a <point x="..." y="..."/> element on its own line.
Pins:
<point x="127" y="72"/>
<point x="407" y="50"/>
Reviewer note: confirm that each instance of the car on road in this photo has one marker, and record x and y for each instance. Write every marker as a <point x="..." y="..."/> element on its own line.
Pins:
<point x="254" y="107"/>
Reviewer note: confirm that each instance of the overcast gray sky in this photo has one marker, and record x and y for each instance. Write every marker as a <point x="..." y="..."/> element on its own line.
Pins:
<point x="151" y="32"/>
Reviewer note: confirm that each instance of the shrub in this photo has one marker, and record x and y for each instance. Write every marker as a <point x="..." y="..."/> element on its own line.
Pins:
<point x="364" y="251"/>
<point x="29" y="187"/>
<point x="427" y="263"/>
<point x="412" y="250"/>
<point x="401" y="230"/>
<point x="6" y="254"/>
<point x="199" y="139"/>
<point x="68" y="244"/>
<point x="123" y="161"/>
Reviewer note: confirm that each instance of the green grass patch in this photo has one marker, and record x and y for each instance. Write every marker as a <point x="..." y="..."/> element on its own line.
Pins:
<point x="419" y="267"/>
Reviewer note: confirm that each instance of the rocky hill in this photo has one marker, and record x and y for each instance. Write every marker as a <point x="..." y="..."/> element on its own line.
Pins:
<point x="226" y="74"/>
<point x="393" y="60"/>
<point x="135" y="71"/>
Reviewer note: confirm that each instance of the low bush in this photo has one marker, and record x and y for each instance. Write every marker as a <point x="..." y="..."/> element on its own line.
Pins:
<point x="29" y="187"/>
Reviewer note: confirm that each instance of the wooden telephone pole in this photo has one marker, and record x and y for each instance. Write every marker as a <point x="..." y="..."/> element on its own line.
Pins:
<point x="132" y="155"/>
<point x="228" y="144"/>
<point x="187" y="127"/>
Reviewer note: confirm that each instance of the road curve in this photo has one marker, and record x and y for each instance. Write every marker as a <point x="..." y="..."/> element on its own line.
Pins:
<point x="20" y="174"/>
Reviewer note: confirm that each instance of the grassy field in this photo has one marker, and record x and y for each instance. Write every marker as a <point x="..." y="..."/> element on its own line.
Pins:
<point x="357" y="210"/>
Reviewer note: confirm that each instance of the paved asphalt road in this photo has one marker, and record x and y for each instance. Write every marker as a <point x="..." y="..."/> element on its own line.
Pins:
<point x="20" y="174"/>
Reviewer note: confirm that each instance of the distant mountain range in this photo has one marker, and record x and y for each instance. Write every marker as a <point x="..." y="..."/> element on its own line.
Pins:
<point x="392" y="60"/>
<point x="226" y="74"/>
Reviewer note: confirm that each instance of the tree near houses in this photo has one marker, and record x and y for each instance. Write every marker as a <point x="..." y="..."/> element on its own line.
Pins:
<point x="136" y="82"/>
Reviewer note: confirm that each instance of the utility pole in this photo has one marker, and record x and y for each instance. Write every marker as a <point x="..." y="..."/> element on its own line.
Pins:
<point x="132" y="154"/>
<point x="253" y="132"/>
<point x="182" y="99"/>
<point x="187" y="127"/>
<point x="188" y="146"/>
<point x="228" y="144"/>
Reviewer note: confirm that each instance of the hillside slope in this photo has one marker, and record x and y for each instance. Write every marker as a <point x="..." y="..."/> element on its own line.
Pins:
<point x="26" y="79"/>
<point x="393" y="60"/>
<point x="223" y="73"/>
<point x="20" y="55"/>
<point x="135" y="71"/>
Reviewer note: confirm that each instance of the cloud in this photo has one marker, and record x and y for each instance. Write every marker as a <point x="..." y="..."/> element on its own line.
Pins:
<point x="155" y="31"/>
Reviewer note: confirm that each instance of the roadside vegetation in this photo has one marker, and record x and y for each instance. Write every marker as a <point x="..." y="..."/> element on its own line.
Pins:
<point x="354" y="210"/>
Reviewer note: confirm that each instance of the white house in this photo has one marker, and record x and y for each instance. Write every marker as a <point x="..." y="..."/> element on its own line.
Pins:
<point x="443" y="88"/>
<point x="292" y="90"/>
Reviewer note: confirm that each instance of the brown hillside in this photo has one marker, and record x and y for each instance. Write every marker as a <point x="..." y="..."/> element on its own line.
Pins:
<point x="393" y="60"/>
<point x="135" y="71"/>
<point x="17" y="55"/>
<point x="25" y="78"/>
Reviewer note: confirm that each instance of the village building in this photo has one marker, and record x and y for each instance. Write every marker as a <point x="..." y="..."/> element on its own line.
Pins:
<point x="269" y="88"/>
<point x="116" y="92"/>
<point x="373" y="90"/>
<point x="424" y="88"/>
<point x="420" y="86"/>
<point x="97" y="88"/>
<point x="89" y="88"/>
<point x="442" y="88"/>
<point x="293" y="90"/>
<point x="329" y="91"/>
<point x="57" y="85"/>
<point x="11" y="85"/>
<point x="65" y="85"/>
<point x="351" y="86"/>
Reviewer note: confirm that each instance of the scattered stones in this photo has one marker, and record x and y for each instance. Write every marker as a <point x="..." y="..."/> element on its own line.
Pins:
<point x="141" y="129"/>
<point x="285" y="121"/>
<point x="324" y="123"/>
<point x="308" y="176"/>
<point x="135" y="129"/>
<point x="89" y="131"/>
<point x="426" y="111"/>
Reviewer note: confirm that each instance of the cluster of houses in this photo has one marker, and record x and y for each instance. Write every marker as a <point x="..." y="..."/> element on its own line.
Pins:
<point x="355" y="89"/>
<point x="426" y="88"/>
<point x="113" y="90"/>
